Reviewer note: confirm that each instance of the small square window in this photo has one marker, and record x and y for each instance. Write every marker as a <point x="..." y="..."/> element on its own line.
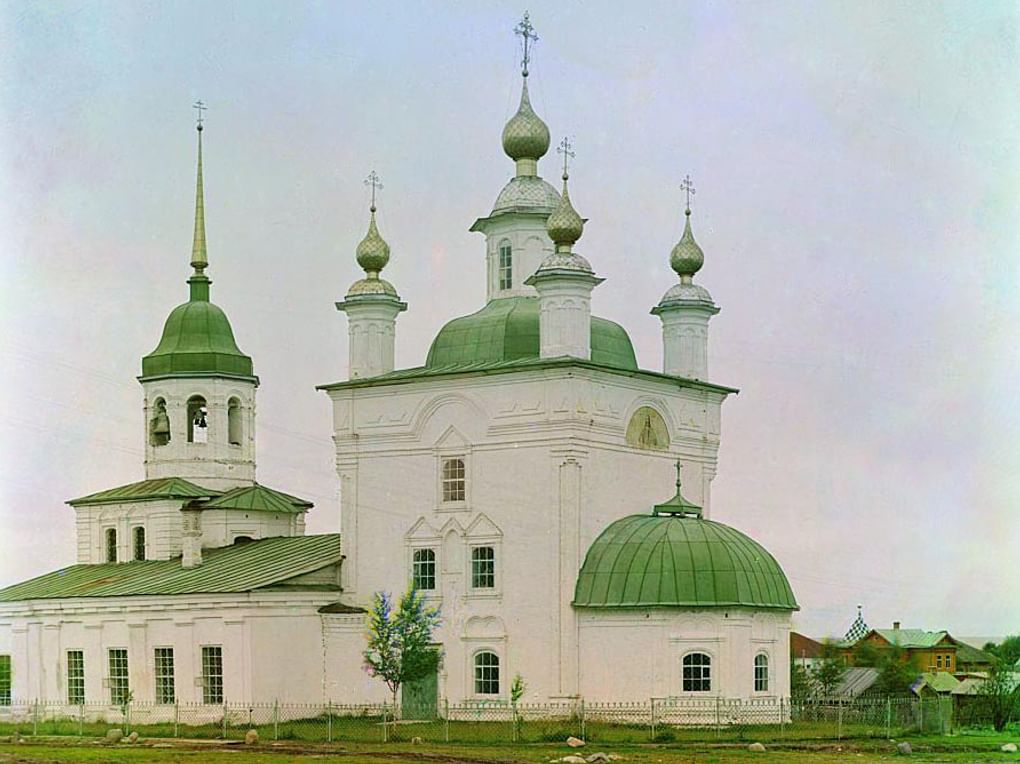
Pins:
<point x="483" y="567"/>
<point x="454" y="480"/>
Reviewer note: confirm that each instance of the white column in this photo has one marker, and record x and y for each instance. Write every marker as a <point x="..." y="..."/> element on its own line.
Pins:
<point x="564" y="312"/>
<point x="569" y="561"/>
<point x="685" y="339"/>
<point x="371" y="328"/>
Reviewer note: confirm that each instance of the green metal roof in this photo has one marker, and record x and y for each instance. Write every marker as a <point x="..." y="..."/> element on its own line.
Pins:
<point x="258" y="498"/>
<point x="197" y="339"/>
<point x="147" y="490"/>
<point x="940" y="681"/>
<point x="507" y="329"/>
<point x="913" y="638"/>
<point x="679" y="561"/>
<point x="232" y="569"/>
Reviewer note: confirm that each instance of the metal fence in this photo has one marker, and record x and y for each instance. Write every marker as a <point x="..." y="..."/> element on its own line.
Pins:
<point x="660" y="720"/>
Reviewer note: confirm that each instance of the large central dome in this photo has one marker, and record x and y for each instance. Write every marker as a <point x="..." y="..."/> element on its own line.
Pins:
<point x="507" y="330"/>
<point x="197" y="338"/>
<point x="679" y="561"/>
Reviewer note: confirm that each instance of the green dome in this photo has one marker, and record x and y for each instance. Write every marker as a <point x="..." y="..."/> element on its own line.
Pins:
<point x="197" y="339"/>
<point x="507" y="330"/>
<point x="679" y="561"/>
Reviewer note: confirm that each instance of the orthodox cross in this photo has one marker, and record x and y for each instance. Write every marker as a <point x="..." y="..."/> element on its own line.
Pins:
<point x="677" y="477"/>
<point x="565" y="148"/>
<point x="688" y="186"/>
<point x="373" y="181"/>
<point x="200" y="107"/>
<point x="527" y="33"/>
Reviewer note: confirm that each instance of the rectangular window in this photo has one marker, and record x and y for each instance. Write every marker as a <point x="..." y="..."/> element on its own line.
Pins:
<point x="5" y="680"/>
<point x="165" y="692"/>
<point x="75" y="677"/>
<point x="139" y="542"/>
<point x="423" y="572"/>
<point x="111" y="545"/>
<point x="506" y="277"/>
<point x="483" y="567"/>
<point x="212" y="674"/>
<point x="120" y="689"/>
<point x="938" y="661"/>
<point x="761" y="673"/>
<point x="454" y="481"/>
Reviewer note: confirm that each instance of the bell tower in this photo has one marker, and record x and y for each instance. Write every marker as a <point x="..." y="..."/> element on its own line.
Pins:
<point x="199" y="387"/>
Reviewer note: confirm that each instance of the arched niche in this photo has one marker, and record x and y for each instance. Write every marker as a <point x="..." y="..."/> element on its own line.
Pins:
<point x="647" y="430"/>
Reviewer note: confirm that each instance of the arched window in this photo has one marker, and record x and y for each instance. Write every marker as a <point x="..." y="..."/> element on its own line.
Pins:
<point x="111" y="545"/>
<point x="483" y="567"/>
<point x="454" y="480"/>
<point x="159" y="425"/>
<point x="486" y="674"/>
<point x="506" y="265"/>
<point x="423" y="569"/>
<point x="761" y="673"/>
<point x="198" y="424"/>
<point x="234" y="422"/>
<point x="697" y="673"/>
<point x="139" y="542"/>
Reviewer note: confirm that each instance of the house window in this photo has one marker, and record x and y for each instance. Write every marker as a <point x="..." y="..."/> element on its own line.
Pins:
<point x="506" y="265"/>
<point x="165" y="692"/>
<point x="761" y="673"/>
<point x="423" y="569"/>
<point x="234" y="422"/>
<point x="938" y="661"/>
<point x="111" y="545"/>
<point x="138" y="539"/>
<point x="198" y="420"/>
<point x="212" y="674"/>
<point x="454" y="480"/>
<point x="120" y="690"/>
<point x="697" y="673"/>
<point x="483" y="567"/>
<point x="486" y="674"/>
<point x="75" y="677"/>
<point x="5" y="680"/>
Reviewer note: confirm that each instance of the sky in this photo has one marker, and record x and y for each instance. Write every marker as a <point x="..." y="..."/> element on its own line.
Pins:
<point x="858" y="201"/>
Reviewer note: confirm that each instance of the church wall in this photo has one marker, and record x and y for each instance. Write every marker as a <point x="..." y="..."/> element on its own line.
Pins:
<point x="635" y="655"/>
<point x="547" y="466"/>
<point x="220" y="527"/>
<point x="343" y="643"/>
<point x="161" y="520"/>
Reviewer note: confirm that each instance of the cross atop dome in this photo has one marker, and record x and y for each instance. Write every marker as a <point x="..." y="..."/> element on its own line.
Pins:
<point x="527" y="34"/>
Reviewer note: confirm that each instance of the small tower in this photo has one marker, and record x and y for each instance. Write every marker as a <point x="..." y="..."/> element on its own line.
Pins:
<point x="199" y="386"/>
<point x="371" y="305"/>
<point x="686" y="308"/>
<point x="564" y="282"/>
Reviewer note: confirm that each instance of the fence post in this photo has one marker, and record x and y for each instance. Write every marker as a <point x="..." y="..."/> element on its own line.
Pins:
<point x="718" y="716"/>
<point x="329" y="721"/>
<point x="276" y="719"/>
<point x="385" y="732"/>
<point x="920" y="714"/>
<point x="584" y="735"/>
<point x="35" y="717"/>
<point x="888" y="718"/>
<point x="782" y="717"/>
<point x="446" y="720"/>
<point x="81" y="719"/>
<point x="839" y="720"/>
<point x="653" y="719"/>
<point x="223" y="723"/>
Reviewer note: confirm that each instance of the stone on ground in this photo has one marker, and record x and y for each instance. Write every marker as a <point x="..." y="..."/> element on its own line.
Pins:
<point x="251" y="737"/>
<point x="417" y="741"/>
<point x="114" y="735"/>
<point x="162" y="745"/>
<point x="1008" y="748"/>
<point x="904" y="748"/>
<point x="133" y="737"/>
<point x="597" y="758"/>
<point x="573" y="760"/>
<point x="574" y="742"/>
<point x="756" y="748"/>
<point x="615" y="757"/>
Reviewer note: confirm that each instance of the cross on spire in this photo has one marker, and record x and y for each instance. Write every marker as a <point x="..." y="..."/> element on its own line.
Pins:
<point x="373" y="181"/>
<point x="688" y="186"/>
<point x="527" y="35"/>
<point x="677" y="477"/>
<point x="565" y="148"/>
<point x="200" y="107"/>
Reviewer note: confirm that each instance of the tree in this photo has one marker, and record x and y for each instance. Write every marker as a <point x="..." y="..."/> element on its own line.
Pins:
<point x="1007" y="651"/>
<point x="897" y="671"/>
<point x="800" y="681"/>
<point x="828" y="673"/>
<point x="400" y="648"/>
<point x="1000" y="694"/>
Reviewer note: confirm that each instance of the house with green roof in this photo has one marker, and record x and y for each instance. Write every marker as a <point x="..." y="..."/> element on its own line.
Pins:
<point x="930" y="651"/>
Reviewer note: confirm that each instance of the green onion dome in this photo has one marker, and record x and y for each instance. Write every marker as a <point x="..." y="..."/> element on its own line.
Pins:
<point x="197" y="339"/>
<point x="507" y="330"/>
<point x="525" y="136"/>
<point x="687" y="258"/>
<point x="373" y="252"/>
<point x="679" y="560"/>
<point x="564" y="225"/>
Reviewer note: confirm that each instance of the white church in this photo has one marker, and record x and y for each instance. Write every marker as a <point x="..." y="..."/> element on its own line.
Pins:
<point x="521" y="478"/>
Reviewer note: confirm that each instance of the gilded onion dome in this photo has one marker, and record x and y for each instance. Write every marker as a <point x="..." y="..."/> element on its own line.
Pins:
<point x="525" y="136"/>
<point x="564" y="225"/>
<point x="373" y="252"/>
<point x="687" y="258"/>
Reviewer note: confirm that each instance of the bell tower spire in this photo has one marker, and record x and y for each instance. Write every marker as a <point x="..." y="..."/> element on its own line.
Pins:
<point x="199" y="282"/>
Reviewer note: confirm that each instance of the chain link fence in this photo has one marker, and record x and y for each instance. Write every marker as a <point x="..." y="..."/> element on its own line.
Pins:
<point x="662" y="720"/>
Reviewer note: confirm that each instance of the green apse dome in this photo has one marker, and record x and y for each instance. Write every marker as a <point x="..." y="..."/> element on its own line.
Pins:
<point x="679" y="560"/>
<point x="507" y="330"/>
<point x="197" y="339"/>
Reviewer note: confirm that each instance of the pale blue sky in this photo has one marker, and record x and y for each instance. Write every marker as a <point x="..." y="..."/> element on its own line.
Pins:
<point x="858" y="201"/>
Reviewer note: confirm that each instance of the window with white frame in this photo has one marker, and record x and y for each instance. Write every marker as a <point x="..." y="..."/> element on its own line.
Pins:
<point x="761" y="673"/>
<point x="483" y="567"/>
<point x="111" y="544"/>
<point x="423" y="569"/>
<point x="165" y="692"/>
<point x="138" y="542"/>
<point x="697" y="672"/>
<point x="212" y="674"/>
<point x="5" y="680"/>
<point x="486" y="673"/>
<point x="120" y="687"/>
<point x="75" y="677"/>
<point x="454" y="479"/>
<point x="506" y="265"/>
